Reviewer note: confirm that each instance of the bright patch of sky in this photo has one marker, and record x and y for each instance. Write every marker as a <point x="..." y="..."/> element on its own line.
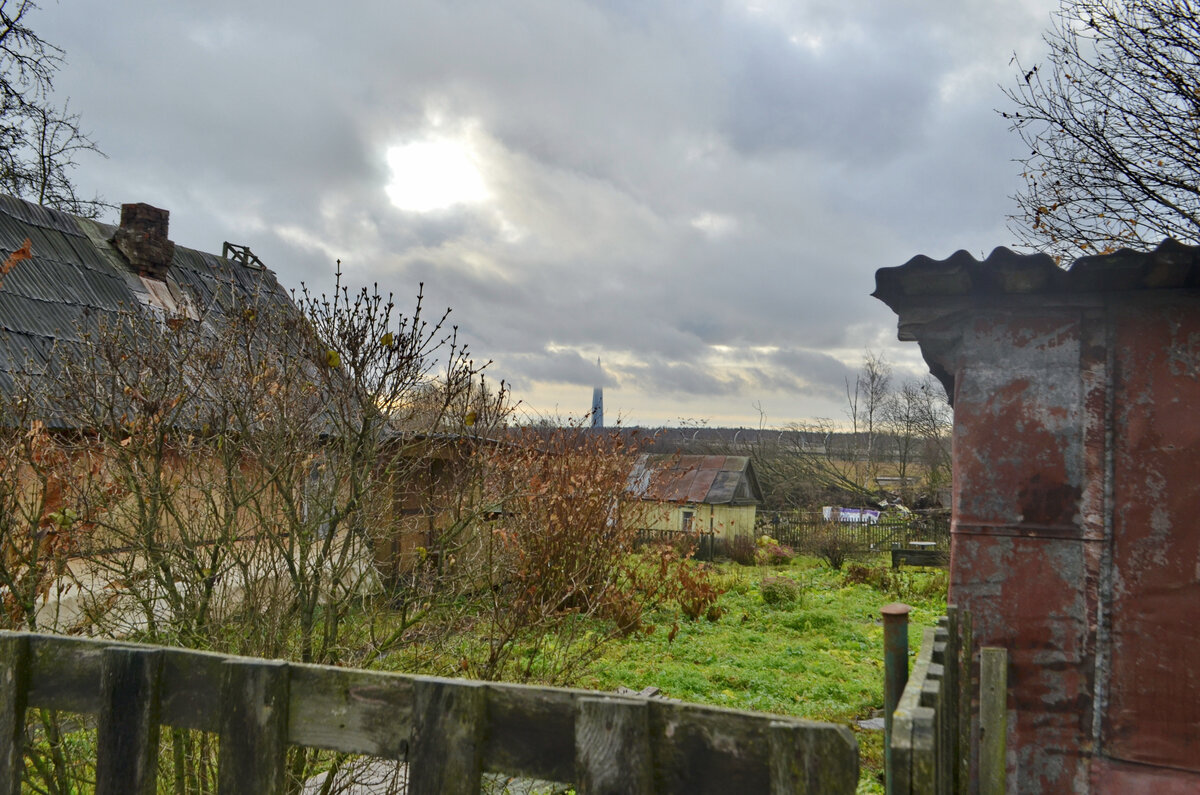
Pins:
<point x="435" y="174"/>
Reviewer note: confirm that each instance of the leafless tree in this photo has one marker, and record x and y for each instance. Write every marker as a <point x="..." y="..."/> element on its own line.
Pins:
<point x="866" y="405"/>
<point x="1111" y="120"/>
<point x="39" y="139"/>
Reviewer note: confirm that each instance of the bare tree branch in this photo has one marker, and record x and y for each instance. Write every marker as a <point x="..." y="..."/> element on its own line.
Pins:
<point x="1112" y="122"/>
<point x="39" y="140"/>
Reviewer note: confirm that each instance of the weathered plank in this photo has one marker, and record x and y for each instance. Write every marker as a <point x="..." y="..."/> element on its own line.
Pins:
<point x="913" y="747"/>
<point x="254" y="705"/>
<point x="899" y="776"/>
<point x="952" y="695"/>
<point x="809" y="760"/>
<point x="709" y="750"/>
<point x="127" y="740"/>
<point x="64" y="674"/>
<point x="190" y="681"/>
<point x="358" y="712"/>
<point x="533" y="731"/>
<point x="993" y="719"/>
<point x="449" y="726"/>
<point x="924" y="768"/>
<point x="931" y="697"/>
<point x="14" y="684"/>
<point x="965" y="695"/>
<point x="612" y="747"/>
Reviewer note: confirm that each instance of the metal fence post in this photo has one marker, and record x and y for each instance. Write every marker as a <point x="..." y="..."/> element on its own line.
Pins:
<point x="895" y="667"/>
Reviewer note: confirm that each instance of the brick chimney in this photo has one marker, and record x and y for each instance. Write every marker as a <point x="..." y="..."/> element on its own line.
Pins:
<point x="142" y="238"/>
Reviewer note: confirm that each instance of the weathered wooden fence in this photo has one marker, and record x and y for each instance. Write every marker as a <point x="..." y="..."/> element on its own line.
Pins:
<point x="806" y="532"/>
<point x="449" y="732"/>
<point x="930" y="728"/>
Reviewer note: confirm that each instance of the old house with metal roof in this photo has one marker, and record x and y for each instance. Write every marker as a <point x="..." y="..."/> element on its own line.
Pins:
<point x="713" y="494"/>
<point x="64" y="274"/>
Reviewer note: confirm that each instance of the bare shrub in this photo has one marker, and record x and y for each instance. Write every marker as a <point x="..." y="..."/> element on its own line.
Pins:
<point x="742" y="550"/>
<point x="833" y="546"/>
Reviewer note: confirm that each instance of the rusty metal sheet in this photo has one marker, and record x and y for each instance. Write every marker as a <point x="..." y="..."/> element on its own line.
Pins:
<point x="1028" y="595"/>
<point x="1019" y="398"/>
<point x="1112" y="777"/>
<point x="1154" y="702"/>
<point x="701" y="482"/>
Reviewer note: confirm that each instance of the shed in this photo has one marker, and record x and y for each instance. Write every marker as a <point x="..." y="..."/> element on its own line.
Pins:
<point x="717" y="494"/>
<point x="1074" y="535"/>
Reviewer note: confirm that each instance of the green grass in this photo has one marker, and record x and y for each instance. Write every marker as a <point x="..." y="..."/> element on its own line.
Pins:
<point x="820" y="658"/>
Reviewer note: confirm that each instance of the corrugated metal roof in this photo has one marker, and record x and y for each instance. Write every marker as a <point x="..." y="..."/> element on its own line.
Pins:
<point x="1004" y="272"/>
<point x="76" y="276"/>
<point x="710" y="479"/>
<point x="924" y="291"/>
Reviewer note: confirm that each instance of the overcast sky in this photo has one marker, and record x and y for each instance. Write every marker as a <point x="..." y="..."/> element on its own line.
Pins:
<point x="697" y="192"/>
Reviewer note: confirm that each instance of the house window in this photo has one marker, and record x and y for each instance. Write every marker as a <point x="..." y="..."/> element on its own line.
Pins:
<point x="685" y="521"/>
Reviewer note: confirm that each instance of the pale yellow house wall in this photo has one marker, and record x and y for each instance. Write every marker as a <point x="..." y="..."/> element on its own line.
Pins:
<point x="725" y="521"/>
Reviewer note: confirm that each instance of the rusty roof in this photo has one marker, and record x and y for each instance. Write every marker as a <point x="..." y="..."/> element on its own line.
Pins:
<point x="709" y="479"/>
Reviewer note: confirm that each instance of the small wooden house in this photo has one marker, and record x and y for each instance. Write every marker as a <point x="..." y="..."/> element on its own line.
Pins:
<point x="714" y="494"/>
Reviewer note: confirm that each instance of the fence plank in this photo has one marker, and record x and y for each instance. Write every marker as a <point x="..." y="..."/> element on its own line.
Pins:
<point x="913" y="742"/>
<point x="924" y="767"/>
<point x="993" y="719"/>
<point x="953" y="667"/>
<point x="612" y="747"/>
<point x="14" y="684"/>
<point x="358" y="712"/>
<point x="812" y="761"/>
<point x="254" y="718"/>
<point x="449" y="729"/>
<point x="127" y="741"/>
<point x="966" y="693"/>
<point x="533" y="731"/>
<point x="899" y="780"/>
<point x="65" y="676"/>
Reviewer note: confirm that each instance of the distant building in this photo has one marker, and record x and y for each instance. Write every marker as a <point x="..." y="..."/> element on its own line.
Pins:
<point x="598" y="400"/>
<point x="717" y="494"/>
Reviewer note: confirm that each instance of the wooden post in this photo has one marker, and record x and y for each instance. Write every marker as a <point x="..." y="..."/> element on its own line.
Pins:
<point x="254" y="717"/>
<point x="127" y="741"/>
<point x="449" y="730"/>
<point x="612" y="747"/>
<point x="895" y="672"/>
<point x="952" y="694"/>
<point x="993" y="719"/>
<point x="965" y="695"/>
<point x="14" y="686"/>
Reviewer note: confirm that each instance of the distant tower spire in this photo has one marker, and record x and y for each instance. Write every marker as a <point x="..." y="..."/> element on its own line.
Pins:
<point x="598" y="399"/>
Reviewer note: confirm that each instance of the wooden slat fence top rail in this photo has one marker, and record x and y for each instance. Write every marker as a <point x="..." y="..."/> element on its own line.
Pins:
<point x="450" y="731"/>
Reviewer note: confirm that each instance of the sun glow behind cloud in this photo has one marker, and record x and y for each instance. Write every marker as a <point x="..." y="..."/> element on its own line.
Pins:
<point x="435" y="174"/>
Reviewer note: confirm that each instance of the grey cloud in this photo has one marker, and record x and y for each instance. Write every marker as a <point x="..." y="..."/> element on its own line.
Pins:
<point x="608" y="129"/>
